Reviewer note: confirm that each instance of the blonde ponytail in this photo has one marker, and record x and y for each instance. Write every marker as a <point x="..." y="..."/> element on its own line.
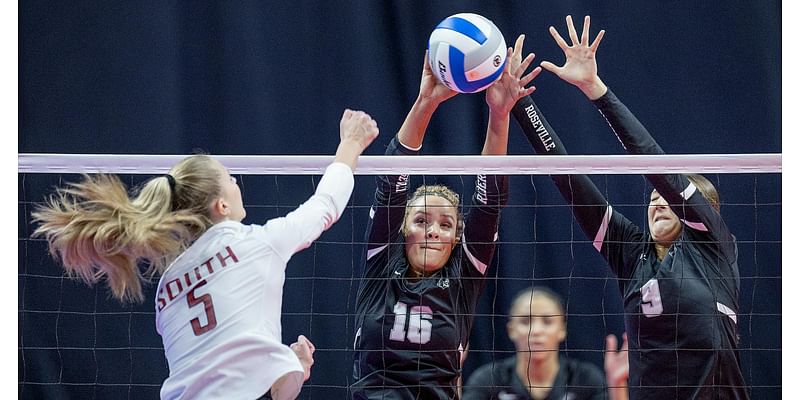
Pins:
<point x="98" y="232"/>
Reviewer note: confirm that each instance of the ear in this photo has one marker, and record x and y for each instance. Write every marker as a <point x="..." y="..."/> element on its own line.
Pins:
<point x="219" y="209"/>
<point x="510" y="330"/>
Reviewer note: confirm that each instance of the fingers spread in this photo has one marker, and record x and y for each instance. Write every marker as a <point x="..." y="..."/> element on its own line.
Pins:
<point x="572" y="33"/>
<point x="550" y="67"/>
<point x="585" y="33"/>
<point x="524" y="65"/>
<point x="559" y="40"/>
<point x="597" y="40"/>
<point x="518" y="44"/>
<point x="528" y="78"/>
<point x="508" y="67"/>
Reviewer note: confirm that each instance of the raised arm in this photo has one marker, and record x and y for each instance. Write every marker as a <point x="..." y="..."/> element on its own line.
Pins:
<point x="609" y="231"/>
<point x="431" y="94"/>
<point x="356" y="131"/>
<point x="388" y="208"/>
<point x="298" y="229"/>
<point x="580" y="69"/>
<point x="491" y="191"/>
<point x="589" y="206"/>
<point x="503" y="94"/>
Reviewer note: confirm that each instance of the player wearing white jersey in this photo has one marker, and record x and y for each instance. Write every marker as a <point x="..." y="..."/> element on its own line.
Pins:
<point x="218" y="306"/>
<point x="218" y="303"/>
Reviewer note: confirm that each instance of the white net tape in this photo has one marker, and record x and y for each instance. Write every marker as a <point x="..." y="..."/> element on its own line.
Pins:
<point x="431" y="165"/>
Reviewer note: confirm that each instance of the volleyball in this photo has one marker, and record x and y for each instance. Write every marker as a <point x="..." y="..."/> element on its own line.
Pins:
<point x="467" y="52"/>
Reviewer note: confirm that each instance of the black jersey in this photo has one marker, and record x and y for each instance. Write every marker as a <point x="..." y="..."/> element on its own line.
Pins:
<point x="680" y="313"/>
<point x="575" y="380"/>
<point x="410" y="334"/>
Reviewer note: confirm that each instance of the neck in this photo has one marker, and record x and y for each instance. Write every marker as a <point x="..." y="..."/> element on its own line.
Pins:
<point x="414" y="274"/>
<point x="661" y="250"/>
<point x="537" y="372"/>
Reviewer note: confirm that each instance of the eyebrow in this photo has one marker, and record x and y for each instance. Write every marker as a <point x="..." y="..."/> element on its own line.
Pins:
<point x="425" y="213"/>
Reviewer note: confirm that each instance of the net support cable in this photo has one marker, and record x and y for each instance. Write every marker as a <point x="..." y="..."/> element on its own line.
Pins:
<point x="428" y="165"/>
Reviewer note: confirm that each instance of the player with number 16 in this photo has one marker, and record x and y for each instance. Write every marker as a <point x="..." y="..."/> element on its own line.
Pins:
<point x="426" y="264"/>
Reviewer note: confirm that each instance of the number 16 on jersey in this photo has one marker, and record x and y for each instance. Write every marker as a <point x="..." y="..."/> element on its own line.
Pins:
<point x="418" y="322"/>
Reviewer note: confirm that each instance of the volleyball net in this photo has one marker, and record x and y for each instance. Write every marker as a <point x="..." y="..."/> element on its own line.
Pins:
<point x="75" y="341"/>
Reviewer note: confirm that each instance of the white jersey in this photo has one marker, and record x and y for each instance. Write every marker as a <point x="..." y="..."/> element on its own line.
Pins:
<point x="218" y="305"/>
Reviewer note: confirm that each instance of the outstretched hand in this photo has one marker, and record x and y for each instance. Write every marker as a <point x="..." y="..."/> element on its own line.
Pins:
<point x="580" y="67"/>
<point x="430" y="88"/>
<point x="504" y="93"/>
<point x="304" y="350"/>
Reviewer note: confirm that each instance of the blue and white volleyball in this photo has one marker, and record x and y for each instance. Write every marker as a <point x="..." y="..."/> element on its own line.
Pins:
<point x="467" y="52"/>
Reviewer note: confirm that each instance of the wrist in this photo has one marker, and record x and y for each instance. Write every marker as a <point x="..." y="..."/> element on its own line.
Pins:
<point x="353" y="144"/>
<point x="499" y="113"/>
<point x="594" y="89"/>
<point x="498" y="110"/>
<point x="427" y="102"/>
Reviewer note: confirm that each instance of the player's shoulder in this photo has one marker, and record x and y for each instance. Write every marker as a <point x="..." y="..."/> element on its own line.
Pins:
<point x="497" y="371"/>
<point x="583" y="372"/>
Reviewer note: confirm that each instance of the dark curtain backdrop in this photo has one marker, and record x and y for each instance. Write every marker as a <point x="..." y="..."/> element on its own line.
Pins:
<point x="152" y="77"/>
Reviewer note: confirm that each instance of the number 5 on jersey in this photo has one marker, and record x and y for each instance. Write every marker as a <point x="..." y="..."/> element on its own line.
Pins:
<point x="208" y="305"/>
<point x="418" y="322"/>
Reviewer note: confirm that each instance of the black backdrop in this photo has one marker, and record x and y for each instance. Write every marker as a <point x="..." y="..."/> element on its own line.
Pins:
<point x="274" y="77"/>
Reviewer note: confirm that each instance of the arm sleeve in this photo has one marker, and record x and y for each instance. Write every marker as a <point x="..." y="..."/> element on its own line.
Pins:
<point x="478" y="386"/>
<point x="389" y="204"/>
<point x="298" y="229"/>
<point x="589" y="206"/>
<point x="482" y="220"/>
<point x="597" y="383"/>
<point x="683" y="197"/>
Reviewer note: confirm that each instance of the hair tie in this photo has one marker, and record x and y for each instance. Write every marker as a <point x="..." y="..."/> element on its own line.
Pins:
<point x="171" y="181"/>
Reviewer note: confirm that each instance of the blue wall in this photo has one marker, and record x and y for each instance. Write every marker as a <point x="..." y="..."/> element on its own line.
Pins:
<point x="273" y="78"/>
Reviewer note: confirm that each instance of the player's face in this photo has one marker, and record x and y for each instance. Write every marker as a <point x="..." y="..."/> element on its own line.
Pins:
<point x="430" y="233"/>
<point x="231" y="195"/>
<point x="664" y="224"/>
<point x="536" y="326"/>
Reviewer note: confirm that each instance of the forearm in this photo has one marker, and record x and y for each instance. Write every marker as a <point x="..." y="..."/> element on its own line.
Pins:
<point x="412" y="132"/>
<point x="348" y="153"/>
<point x="629" y="130"/>
<point x="334" y="189"/>
<point x="636" y="139"/>
<point x="392" y="189"/>
<point x="483" y="218"/>
<point x="388" y="205"/>
<point x="496" y="134"/>
<point x="588" y="205"/>
<point x="302" y="226"/>
<point x="536" y="128"/>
